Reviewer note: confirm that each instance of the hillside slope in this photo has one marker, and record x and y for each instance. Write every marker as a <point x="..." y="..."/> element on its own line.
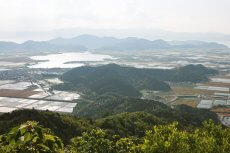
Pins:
<point x="128" y="81"/>
<point x="64" y="126"/>
<point x="123" y="117"/>
<point x="107" y="105"/>
<point x="125" y="81"/>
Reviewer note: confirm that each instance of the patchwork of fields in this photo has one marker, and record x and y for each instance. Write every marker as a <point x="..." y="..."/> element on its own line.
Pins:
<point x="28" y="95"/>
<point x="10" y="104"/>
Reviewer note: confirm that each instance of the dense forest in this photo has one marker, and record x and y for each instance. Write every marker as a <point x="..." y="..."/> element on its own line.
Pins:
<point x="135" y="132"/>
<point x="123" y="116"/>
<point x="107" y="105"/>
<point x="111" y="123"/>
<point x="128" y="81"/>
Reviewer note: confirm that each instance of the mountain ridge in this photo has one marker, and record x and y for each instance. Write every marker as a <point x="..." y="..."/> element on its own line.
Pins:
<point x="91" y="42"/>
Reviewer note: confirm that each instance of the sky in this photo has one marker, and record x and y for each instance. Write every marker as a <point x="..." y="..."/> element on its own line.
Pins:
<point x="44" y="19"/>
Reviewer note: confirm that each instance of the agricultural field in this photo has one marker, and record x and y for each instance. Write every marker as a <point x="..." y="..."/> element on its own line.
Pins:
<point x="193" y="102"/>
<point x="17" y="93"/>
<point x="8" y="104"/>
<point x="28" y="95"/>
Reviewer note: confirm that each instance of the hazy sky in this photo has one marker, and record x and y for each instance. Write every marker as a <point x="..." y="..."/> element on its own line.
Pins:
<point x="34" y="16"/>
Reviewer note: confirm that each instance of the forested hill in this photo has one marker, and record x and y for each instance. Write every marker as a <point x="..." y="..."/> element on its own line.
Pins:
<point x="118" y="115"/>
<point x="113" y="78"/>
<point x="107" y="105"/>
<point x="128" y="81"/>
<point x="113" y="124"/>
<point x="189" y="73"/>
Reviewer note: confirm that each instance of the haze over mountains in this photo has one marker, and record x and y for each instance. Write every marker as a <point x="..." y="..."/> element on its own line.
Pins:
<point x="91" y="42"/>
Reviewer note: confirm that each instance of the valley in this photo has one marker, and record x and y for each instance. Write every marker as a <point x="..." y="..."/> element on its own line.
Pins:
<point x="33" y="77"/>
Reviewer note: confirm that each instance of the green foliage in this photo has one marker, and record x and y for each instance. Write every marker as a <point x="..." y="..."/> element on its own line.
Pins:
<point x="214" y="137"/>
<point x="210" y="138"/>
<point x="95" y="141"/>
<point x="125" y="145"/>
<point x="194" y="115"/>
<point x="140" y="115"/>
<point x="164" y="139"/>
<point x="129" y="124"/>
<point x="30" y="137"/>
<point x="98" y="141"/>
<point x="64" y="126"/>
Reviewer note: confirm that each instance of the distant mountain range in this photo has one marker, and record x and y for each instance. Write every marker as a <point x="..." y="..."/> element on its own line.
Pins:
<point x="90" y="42"/>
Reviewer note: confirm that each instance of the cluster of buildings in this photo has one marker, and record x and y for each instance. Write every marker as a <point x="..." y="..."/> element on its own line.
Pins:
<point x="208" y="104"/>
<point x="220" y="104"/>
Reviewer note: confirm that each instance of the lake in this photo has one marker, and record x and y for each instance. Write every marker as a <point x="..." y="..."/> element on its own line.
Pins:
<point x="63" y="60"/>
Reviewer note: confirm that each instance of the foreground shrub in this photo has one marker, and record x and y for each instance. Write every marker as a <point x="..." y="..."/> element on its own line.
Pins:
<point x="30" y="137"/>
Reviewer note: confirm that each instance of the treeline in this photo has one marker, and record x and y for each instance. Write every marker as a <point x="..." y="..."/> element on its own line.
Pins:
<point x="111" y="123"/>
<point x="210" y="138"/>
<point x="128" y="81"/>
<point x="30" y="137"/>
<point x="126" y="117"/>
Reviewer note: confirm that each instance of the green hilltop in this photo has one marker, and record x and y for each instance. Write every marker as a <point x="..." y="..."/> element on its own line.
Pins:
<point x="128" y="81"/>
